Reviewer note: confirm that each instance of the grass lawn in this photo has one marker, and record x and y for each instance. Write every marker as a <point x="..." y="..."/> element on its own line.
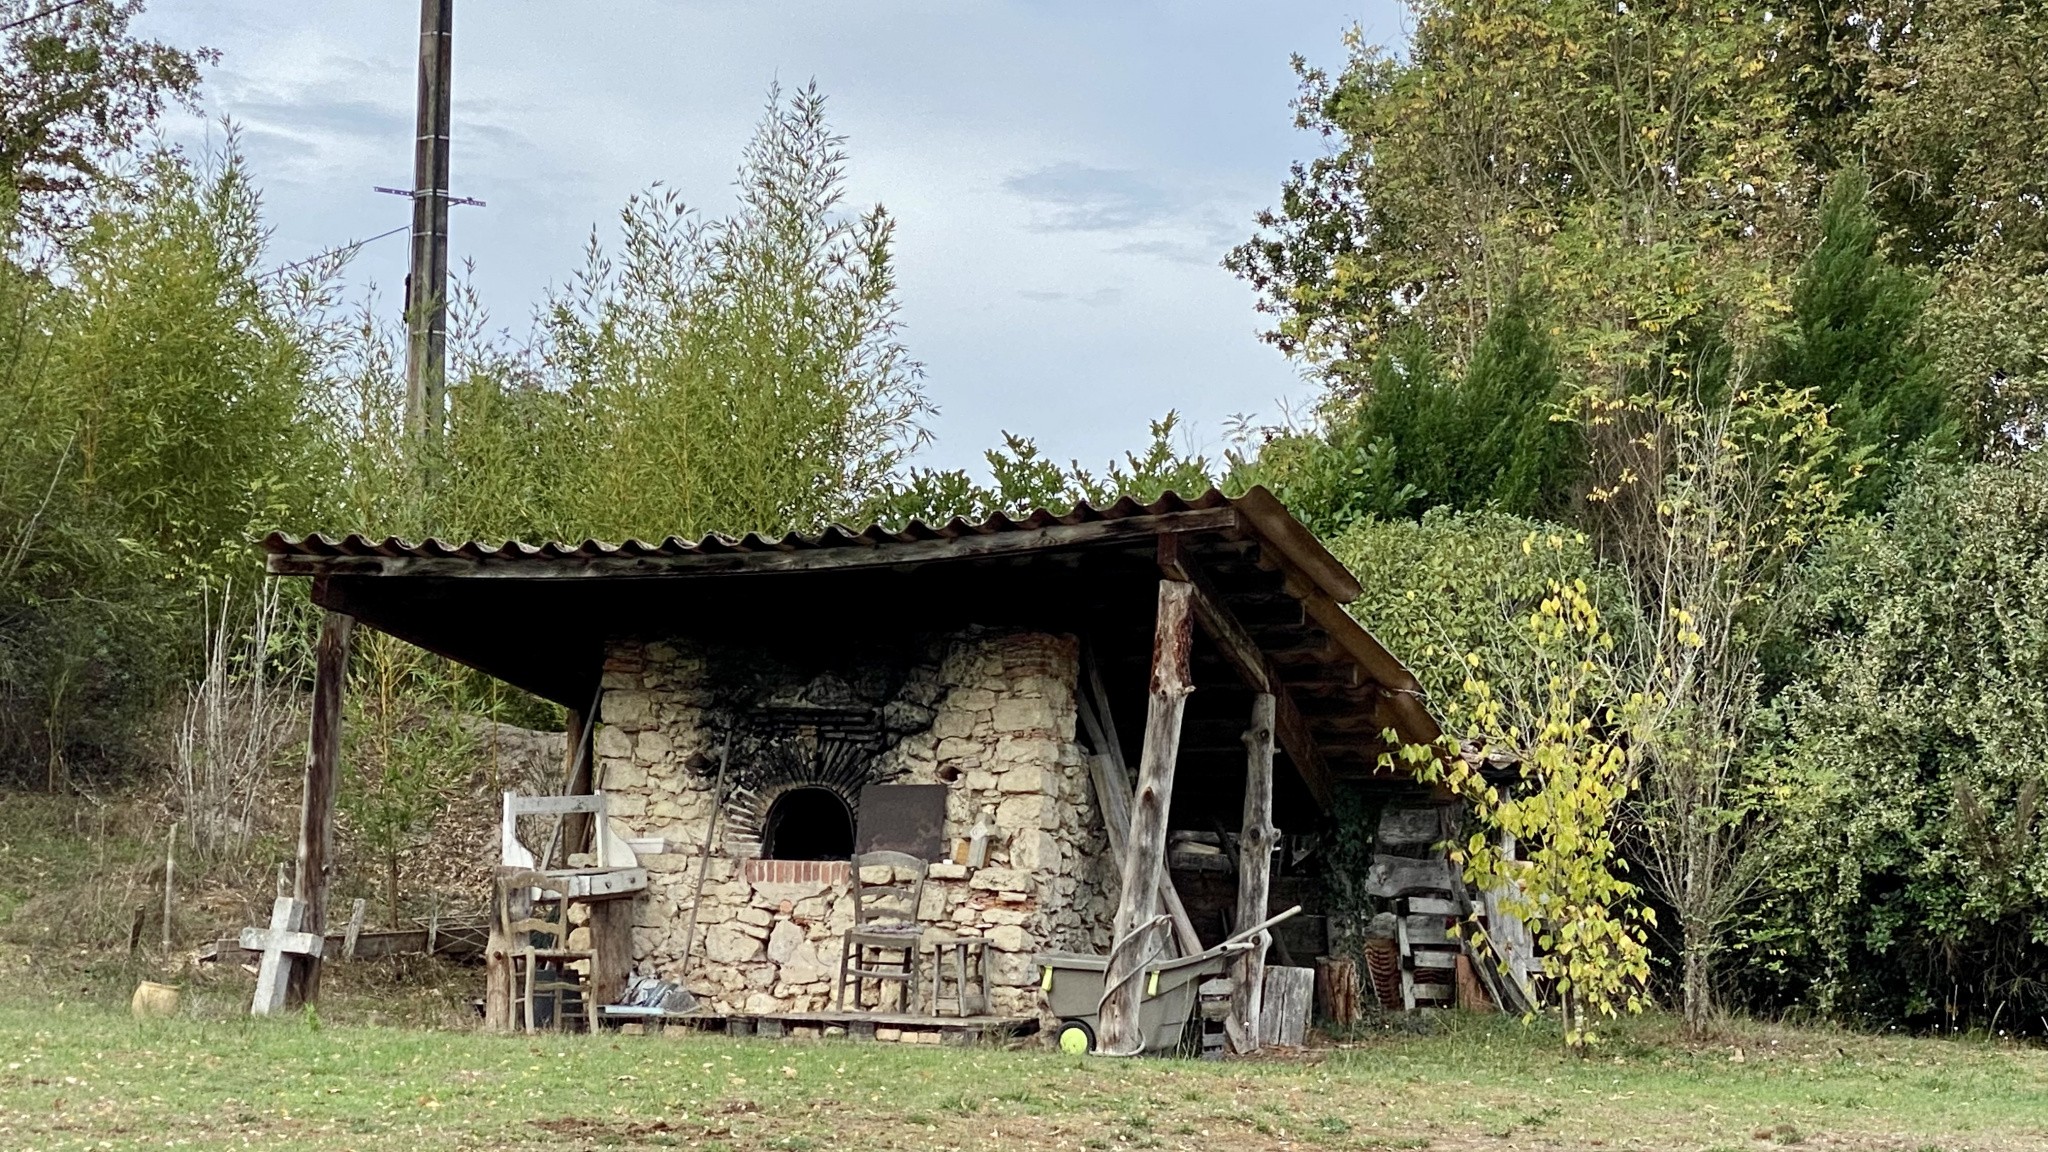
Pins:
<point x="84" y="1075"/>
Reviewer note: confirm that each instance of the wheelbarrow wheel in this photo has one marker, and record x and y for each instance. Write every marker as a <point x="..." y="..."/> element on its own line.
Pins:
<point x="1076" y="1037"/>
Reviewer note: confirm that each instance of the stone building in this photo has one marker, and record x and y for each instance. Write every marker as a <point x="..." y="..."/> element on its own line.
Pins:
<point x="756" y="711"/>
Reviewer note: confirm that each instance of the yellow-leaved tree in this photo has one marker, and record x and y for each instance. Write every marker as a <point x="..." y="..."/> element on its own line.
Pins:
<point x="1544" y="765"/>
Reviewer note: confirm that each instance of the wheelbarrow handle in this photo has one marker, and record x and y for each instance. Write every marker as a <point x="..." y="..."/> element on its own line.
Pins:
<point x="1261" y="926"/>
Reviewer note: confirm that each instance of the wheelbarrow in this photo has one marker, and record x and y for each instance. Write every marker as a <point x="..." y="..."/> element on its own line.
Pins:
<point x="1073" y="985"/>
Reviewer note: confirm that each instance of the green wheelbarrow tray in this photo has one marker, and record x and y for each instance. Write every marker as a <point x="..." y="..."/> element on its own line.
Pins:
<point x="1072" y="985"/>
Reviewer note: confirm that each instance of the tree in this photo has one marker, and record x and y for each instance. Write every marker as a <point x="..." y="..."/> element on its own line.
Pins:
<point x="156" y="414"/>
<point x="1856" y="343"/>
<point x="1905" y="769"/>
<point x="1630" y="164"/>
<point x="77" y="89"/>
<point x="1567" y="731"/>
<point x="738" y="374"/>
<point x="1706" y="507"/>
<point x="1416" y="436"/>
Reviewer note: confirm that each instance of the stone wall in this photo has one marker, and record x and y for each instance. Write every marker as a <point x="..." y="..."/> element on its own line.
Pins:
<point x="989" y="714"/>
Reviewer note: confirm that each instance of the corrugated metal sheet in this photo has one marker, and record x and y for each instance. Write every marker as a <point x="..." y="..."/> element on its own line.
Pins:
<point x="834" y="536"/>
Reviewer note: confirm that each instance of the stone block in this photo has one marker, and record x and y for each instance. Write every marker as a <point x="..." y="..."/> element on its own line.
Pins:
<point x="947" y="870"/>
<point x="1002" y="880"/>
<point x="622" y="775"/>
<point x="791" y="893"/>
<point x="725" y="944"/>
<point x="762" y="1004"/>
<point x="1031" y="714"/>
<point x="629" y="708"/>
<point x="971" y="699"/>
<point x="891" y="1034"/>
<point x="613" y="743"/>
<point x="952" y="725"/>
<point x="1008" y="938"/>
<point x="759" y="917"/>
<point x="652" y="746"/>
<point x="1024" y="778"/>
<point x="1030" y="811"/>
<point x="1033" y="851"/>
<point x="959" y="748"/>
<point x="626" y="806"/>
<point x="783" y="941"/>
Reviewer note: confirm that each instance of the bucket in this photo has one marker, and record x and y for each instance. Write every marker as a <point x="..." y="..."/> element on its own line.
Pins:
<point x="154" y="1001"/>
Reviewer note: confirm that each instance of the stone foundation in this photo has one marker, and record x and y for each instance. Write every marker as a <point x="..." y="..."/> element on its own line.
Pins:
<point x="988" y="714"/>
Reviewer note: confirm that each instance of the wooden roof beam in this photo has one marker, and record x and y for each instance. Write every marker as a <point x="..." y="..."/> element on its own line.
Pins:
<point x="1249" y="660"/>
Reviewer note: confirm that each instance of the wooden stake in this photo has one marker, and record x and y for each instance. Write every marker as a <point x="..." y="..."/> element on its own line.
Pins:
<point x="316" y="807"/>
<point x="1254" y="874"/>
<point x="1120" y="1032"/>
<point x="170" y="884"/>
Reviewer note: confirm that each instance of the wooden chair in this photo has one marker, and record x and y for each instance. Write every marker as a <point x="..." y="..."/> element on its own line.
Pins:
<point x="884" y="923"/>
<point x="533" y="920"/>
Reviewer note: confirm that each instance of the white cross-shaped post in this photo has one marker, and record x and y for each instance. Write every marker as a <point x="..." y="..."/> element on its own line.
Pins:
<point x="282" y="938"/>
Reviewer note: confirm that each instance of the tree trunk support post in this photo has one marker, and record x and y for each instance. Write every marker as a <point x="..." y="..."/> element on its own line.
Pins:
<point x="1120" y="1032"/>
<point x="316" y="807"/>
<point x="1254" y="874"/>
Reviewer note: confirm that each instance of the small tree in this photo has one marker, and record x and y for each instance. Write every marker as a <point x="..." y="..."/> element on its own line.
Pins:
<point x="406" y="745"/>
<point x="1569" y="735"/>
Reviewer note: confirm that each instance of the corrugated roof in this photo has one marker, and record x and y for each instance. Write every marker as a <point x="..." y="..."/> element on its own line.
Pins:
<point x="833" y="536"/>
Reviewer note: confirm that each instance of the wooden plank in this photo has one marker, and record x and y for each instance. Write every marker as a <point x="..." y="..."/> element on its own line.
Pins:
<point x="1254" y="875"/>
<point x="1392" y="876"/>
<point x="1113" y="798"/>
<point x="887" y="554"/>
<point x="1287" y="999"/>
<point x="355" y="929"/>
<point x="1411" y="827"/>
<point x="1119" y="1032"/>
<point x="1277" y="528"/>
<point x="316" y="803"/>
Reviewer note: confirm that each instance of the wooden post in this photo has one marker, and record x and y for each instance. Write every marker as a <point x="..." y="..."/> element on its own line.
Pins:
<point x="316" y="807"/>
<point x="170" y="885"/>
<point x="498" y="963"/>
<point x="1254" y="874"/>
<point x="1113" y="800"/>
<point x="1119" y="1032"/>
<point x="611" y="953"/>
<point x="576" y="780"/>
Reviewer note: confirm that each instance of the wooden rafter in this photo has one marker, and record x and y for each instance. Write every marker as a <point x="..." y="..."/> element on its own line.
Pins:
<point x="1243" y="654"/>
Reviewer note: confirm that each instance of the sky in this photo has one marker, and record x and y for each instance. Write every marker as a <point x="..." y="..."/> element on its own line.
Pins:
<point x="1065" y="176"/>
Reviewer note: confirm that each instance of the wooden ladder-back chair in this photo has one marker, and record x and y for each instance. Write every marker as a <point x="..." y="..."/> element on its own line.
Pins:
<point x="884" y="923"/>
<point x="533" y="919"/>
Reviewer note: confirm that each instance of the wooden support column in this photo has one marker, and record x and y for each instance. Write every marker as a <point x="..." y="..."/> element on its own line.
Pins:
<point x="316" y="806"/>
<point x="1119" y="1031"/>
<point x="1254" y="874"/>
<point x="1113" y="799"/>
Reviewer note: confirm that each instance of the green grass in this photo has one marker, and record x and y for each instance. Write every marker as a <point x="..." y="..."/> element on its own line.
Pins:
<point x="85" y="1076"/>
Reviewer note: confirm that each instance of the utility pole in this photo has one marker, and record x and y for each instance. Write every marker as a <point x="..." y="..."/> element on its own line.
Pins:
<point x="426" y="305"/>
